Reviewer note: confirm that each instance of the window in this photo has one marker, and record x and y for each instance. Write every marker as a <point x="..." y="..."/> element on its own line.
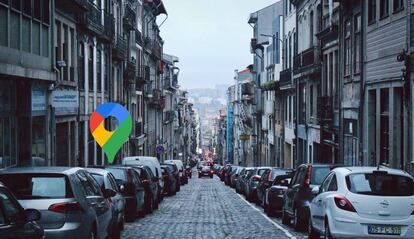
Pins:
<point x="311" y="101"/>
<point x="81" y="68"/>
<point x="98" y="70"/>
<point x="325" y="183"/>
<point x="15" y="4"/>
<point x="88" y="185"/>
<point x="27" y="7"/>
<point x="372" y="10"/>
<point x="36" y="9"/>
<point x="380" y="184"/>
<point x="398" y="5"/>
<point x="347" y="49"/>
<point x="90" y="70"/>
<point x="311" y="29"/>
<point x="333" y="185"/>
<point x="357" y="43"/>
<point x="384" y="127"/>
<point x="384" y="6"/>
<point x="8" y="207"/>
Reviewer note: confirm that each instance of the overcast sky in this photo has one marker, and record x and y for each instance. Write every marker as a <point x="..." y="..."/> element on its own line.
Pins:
<point x="211" y="38"/>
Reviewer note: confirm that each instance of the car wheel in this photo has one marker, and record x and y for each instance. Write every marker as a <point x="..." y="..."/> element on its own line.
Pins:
<point x="211" y="176"/>
<point x="312" y="233"/>
<point x="285" y="217"/>
<point x="297" y="224"/>
<point x="327" y="231"/>
<point x="156" y="205"/>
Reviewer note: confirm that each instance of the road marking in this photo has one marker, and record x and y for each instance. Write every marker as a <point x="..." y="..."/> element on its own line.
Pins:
<point x="287" y="233"/>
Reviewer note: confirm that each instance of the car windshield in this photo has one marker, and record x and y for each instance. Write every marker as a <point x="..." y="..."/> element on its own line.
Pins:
<point x="99" y="178"/>
<point x="278" y="172"/>
<point x="380" y="184"/>
<point x="32" y="186"/>
<point x="261" y="171"/>
<point x="118" y="173"/>
<point x="319" y="174"/>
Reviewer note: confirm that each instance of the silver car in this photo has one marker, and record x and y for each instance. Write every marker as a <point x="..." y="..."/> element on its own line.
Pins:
<point x="70" y="200"/>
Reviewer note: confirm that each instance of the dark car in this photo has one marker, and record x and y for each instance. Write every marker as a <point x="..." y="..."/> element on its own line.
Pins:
<point x="15" y="222"/>
<point x="299" y="193"/>
<point x="70" y="200"/>
<point x="227" y="174"/>
<point x="234" y="176"/>
<point x="176" y="175"/>
<point x="151" y="187"/>
<point x="244" y="182"/>
<point x="253" y="182"/>
<point x="189" y="171"/>
<point x="131" y="189"/>
<point x="240" y="180"/>
<point x="106" y="180"/>
<point x="266" y="181"/>
<point x="170" y="184"/>
<point x="205" y="170"/>
<point x="273" y="197"/>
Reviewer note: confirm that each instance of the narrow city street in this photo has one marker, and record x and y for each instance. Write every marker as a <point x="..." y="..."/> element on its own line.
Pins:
<point x="206" y="208"/>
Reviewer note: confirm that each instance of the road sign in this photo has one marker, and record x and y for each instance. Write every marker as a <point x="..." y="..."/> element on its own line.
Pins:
<point x="244" y="137"/>
<point x="160" y="149"/>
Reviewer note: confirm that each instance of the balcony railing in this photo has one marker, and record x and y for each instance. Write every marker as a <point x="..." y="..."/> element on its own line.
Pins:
<point x="285" y="78"/>
<point x="325" y="109"/>
<point x="129" y="16"/>
<point x="92" y="19"/>
<point x="157" y="100"/>
<point x="143" y="76"/>
<point x="305" y="59"/>
<point x="169" y="117"/>
<point x="109" y="27"/>
<point x="74" y="6"/>
<point x="120" y="48"/>
<point x="156" y="50"/>
<point x="130" y="72"/>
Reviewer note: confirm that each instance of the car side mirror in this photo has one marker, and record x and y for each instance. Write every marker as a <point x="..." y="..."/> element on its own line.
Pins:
<point x="315" y="190"/>
<point x="32" y="215"/>
<point x="108" y="193"/>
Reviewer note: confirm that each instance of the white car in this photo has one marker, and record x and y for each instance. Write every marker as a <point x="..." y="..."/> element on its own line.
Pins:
<point x="363" y="202"/>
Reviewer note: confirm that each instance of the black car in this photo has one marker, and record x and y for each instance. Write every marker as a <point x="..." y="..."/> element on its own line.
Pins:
<point x="298" y="196"/>
<point x="15" y="222"/>
<point x="273" y="197"/>
<point x="176" y="175"/>
<point x="151" y="187"/>
<point x="170" y="187"/>
<point x="253" y="182"/>
<point x="131" y="188"/>
<point x="266" y="181"/>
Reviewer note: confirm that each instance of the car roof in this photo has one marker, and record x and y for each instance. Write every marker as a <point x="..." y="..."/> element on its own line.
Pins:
<point x="354" y="169"/>
<point x="100" y="171"/>
<point x="62" y="170"/>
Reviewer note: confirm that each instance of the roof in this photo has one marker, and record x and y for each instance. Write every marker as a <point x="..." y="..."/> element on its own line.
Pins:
<point x="63" y="170"/>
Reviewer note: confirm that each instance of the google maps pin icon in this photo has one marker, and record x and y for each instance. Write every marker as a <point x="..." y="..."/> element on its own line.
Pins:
<point x="110" y="141"/>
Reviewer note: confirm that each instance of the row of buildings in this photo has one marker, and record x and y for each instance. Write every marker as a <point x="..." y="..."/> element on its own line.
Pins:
<point x="330" y="82"/>
<point x="59" y="60"/>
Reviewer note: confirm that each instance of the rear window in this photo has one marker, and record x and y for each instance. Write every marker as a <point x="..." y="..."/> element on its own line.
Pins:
<point x="278" y="172"/>
<point x="380" y="184"/>
<point x="118" y="173"/>
<point x="37" y="186"/>
<point x="319" y="174"/>
<point x="250" y="173"/>
<point x="261" y="171"/>
<point x="99" y="178"/>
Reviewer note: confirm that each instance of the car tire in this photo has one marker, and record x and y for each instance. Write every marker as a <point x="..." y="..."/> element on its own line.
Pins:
<point x="156" y="205"/>
<point x="312" y="233"/>
<point x="211" y="176"/>
<point x="327" y="230"/>
<point x="150" y="206"/>
<point x="285" y="218"/>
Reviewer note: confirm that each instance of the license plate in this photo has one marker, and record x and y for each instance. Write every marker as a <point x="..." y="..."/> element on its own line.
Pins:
<point x="384" y="229"/>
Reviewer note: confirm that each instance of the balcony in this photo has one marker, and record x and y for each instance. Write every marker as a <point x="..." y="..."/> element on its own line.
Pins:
<point x="157" y="100"/>
<point x="325" y="109"/>
<point x="73" y="6"/>
<point x="92" y="19"/>
<point x="109" y="27"/>
<point x="120" y="48"/>
<point x="305" y="60"/>
<point x="129" y="15"/>
<point x="285" y="79"/>
<point x="143" y="77"/>
<point x="130" y="72"/>
<point x="247" y="91"/>
<point x="169" y="117"/>
<point x="156" y="50"/>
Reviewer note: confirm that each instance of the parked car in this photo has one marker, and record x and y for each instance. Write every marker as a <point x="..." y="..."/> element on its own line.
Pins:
<point x="155" y="167"/>
<point x="245" y="180"/>
<point x="234" y="175"/>
<point x="106" y="180"/>
<point x="368" y="202"/>
<point x="189" y="171"/>
<point x="176" y="175"/>
<point x="298" y="196"/>
<point x="180" y="166"/>
<point x="15" y="222"/>
<point x="170" y="184"/>
<point x="240" y="180"/>
<point x="151" y="187"/>
<point x="131" y="189"/>
<point x="205" y="171"/>
<point x="70" y="201"/>
<point x="273" y="199"/>
<point x="253" y="182"/>
<point x="227" y="172"/>
<point x="266" y="181"/>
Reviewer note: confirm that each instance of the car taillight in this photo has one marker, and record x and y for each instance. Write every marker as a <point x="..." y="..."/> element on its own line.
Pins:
<point x="343" y="203"/>
<point x="65" y="207"/>
<point x="255" y="178"/>
<point x="308" y="176"/>
<point x="211" y="171"/>
<point x="129" y="175"/>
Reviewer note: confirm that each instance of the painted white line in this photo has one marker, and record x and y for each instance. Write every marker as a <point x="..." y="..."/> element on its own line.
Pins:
<point x="287" y="233"/>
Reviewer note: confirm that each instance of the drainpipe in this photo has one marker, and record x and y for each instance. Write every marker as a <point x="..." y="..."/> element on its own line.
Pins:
<point x="361" y="90"/>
